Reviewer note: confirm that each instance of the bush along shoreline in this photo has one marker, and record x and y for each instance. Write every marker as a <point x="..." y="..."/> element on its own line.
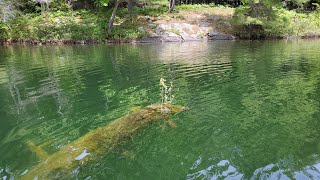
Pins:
<point x="153" y="23"/>
<point x="275" y="23"/>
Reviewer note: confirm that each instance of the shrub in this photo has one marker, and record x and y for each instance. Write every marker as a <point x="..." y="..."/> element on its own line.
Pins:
<point x="279" y="23"/>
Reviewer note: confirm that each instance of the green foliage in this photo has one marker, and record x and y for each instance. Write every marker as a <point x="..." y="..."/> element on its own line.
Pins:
<point x="280" y="23"/>
<point x="61" y="24"/>
<point x="283" y="24"/>
<point x="104" y="2"/>
<point x="26" y="6"/>
<point x="59" y="5"/>
<point x="4" y="31"/>
<point x="300" y="2"/>
<point x="126" y="31"/>
<point x="56" y="26"/>
<point x="265" y="2"/>
<point x="101" y="3"/>
<point x="156" y="10"/>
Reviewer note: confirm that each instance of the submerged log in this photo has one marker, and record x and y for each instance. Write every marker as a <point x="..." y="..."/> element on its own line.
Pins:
<point x="97" y="143"/>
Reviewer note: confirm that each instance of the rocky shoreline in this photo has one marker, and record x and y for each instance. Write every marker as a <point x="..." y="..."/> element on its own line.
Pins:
<point x="171" y="32"/>
<point x="212" y="36"/>
<point x="159" y="31"/>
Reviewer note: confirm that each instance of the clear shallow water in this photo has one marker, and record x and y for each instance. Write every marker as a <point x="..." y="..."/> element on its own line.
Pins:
<point x="254" y="108"/>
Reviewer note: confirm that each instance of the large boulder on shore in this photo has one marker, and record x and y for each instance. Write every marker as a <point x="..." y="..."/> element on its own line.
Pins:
<point x="180" y="32"/>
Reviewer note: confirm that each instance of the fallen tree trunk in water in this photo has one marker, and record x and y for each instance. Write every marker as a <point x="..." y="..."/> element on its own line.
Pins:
<point x="96" y="143"/>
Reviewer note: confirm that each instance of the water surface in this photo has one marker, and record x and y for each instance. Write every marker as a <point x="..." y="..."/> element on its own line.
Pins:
<point x="254" y="108"/>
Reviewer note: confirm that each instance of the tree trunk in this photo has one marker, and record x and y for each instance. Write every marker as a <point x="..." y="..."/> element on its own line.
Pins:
<point x="42" y="8"/>
<point x="110" y="24"/>
<point x="130" y="6"/>
<point x="171" y="5"/>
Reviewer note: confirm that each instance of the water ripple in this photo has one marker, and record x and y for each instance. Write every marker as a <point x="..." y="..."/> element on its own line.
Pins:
<point x="222" y="170"/>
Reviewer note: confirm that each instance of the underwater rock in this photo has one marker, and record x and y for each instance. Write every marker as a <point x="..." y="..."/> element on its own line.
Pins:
<point x="97" y="143"/>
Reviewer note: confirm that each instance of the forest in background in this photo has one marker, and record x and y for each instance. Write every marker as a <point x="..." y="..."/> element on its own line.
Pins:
<point x="95" y="21"/>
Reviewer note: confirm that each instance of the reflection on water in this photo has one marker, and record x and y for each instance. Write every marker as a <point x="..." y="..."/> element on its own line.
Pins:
<point x="254" y="108"/>
<point x="221" y="170"/>
<point x="224" y="170"/>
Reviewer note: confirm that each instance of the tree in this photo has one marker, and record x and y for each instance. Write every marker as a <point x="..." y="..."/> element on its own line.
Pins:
<point x="6" y="10"/>
<point x="9" y="9"/>
<point x="130" y="6"/>
<point x="109" y="26"/>
<point x="44" y="4"/>
<point x="171" y="5"/>
<point x="113" y="16"/>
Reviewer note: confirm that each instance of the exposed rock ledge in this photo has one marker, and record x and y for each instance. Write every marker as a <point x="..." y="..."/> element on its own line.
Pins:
<point x="178" y="32"/>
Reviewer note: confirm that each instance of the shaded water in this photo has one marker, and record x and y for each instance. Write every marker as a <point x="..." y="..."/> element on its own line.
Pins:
<point x="254" y="108"/>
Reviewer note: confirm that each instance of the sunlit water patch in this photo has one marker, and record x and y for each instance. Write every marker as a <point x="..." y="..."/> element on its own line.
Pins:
<point x="254" y="108"/>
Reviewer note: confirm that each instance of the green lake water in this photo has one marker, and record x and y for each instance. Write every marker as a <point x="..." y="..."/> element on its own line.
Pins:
<point x="254" y="108"/>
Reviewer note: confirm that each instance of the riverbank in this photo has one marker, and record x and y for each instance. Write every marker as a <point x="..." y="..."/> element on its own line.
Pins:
<point x="153" y="23"/>
<point x="188" y="23"/>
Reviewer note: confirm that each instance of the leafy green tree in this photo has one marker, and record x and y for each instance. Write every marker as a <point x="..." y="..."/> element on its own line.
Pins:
<point x="109" y="26"/>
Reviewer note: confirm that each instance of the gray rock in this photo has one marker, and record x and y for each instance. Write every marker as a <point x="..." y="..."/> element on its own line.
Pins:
<point x="171" y="39"/>
<point x="153" y="35"/>
<point x="141" y="29"/>
<point x="226" y="23"/>
<point x="148" y="18"/>
<point x="162" y="28"/>
<point x="215" y="35"/>
<point x="203" y="24"/>
<point x="152" y="25"/>
<point x="192" y="37"/>
<point x="187" y="32"/>
<point x="149" y="39"/>
<point x="172" y="34"/>
<point x="214" y="17"/>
